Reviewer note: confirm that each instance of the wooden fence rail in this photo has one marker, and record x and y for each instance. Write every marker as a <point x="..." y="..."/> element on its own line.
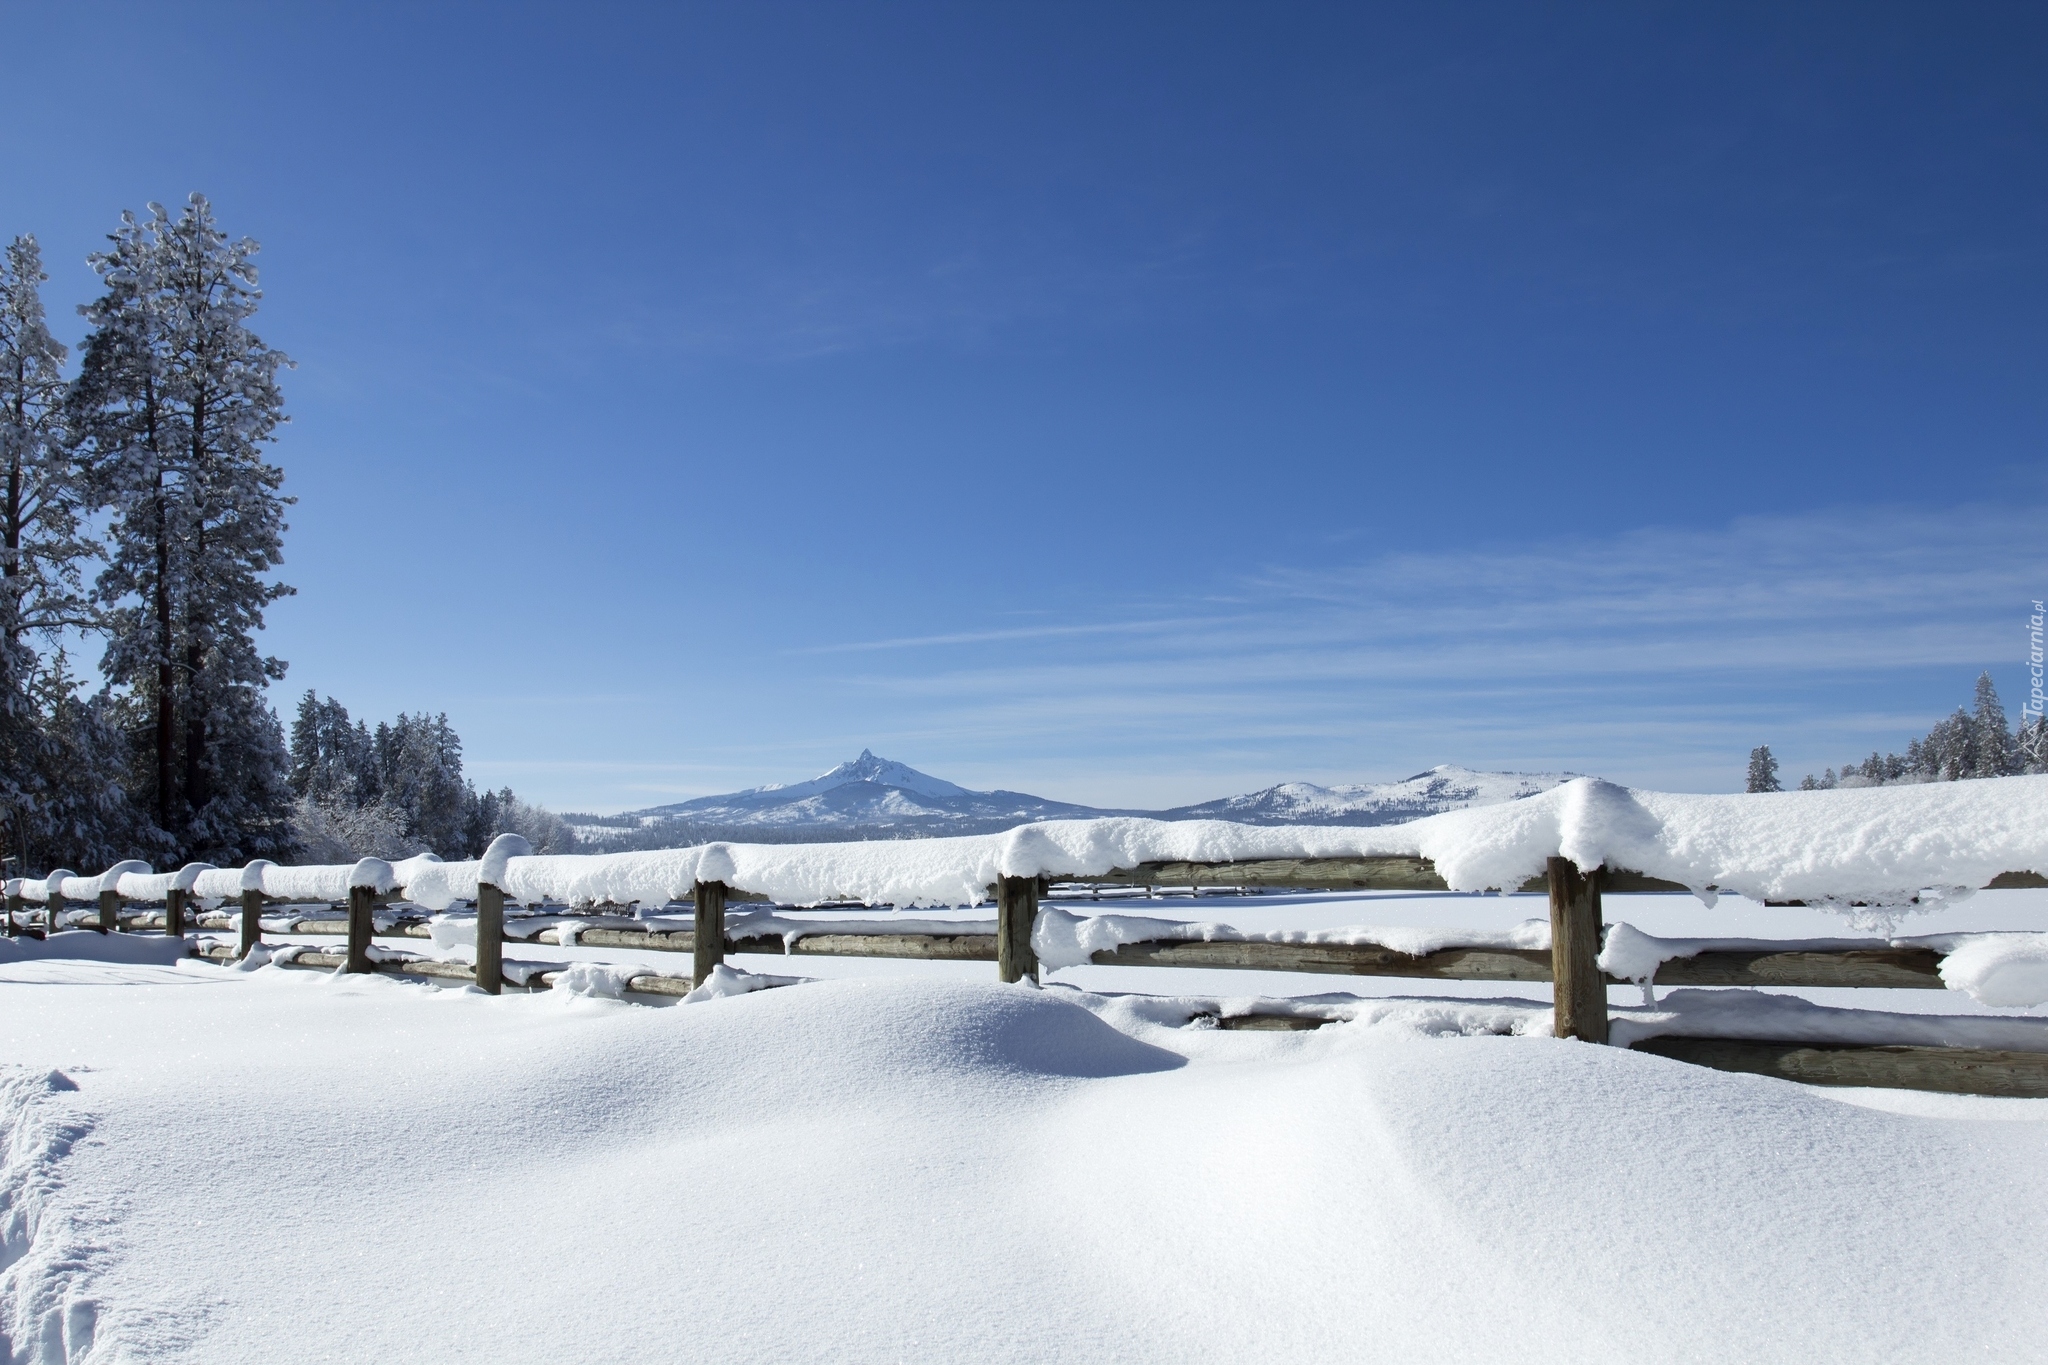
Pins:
<point x="1570" y="965"/>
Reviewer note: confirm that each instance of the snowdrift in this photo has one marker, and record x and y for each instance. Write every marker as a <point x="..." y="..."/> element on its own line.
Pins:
<point x="916" y="1171"/>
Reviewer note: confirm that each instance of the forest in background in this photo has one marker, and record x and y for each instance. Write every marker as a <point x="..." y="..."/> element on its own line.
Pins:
<point x="141" y="518"/>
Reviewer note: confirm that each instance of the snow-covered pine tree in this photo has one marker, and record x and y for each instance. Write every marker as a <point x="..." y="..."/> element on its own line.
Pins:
<point x="539" y="826"/>
<point x="419" y="766"/>
<point x="41" y="547"/>
<point x="1950" y="747"/>
<point x="175" y="401"/>
<point x="332" y="761"/>
<point x="1763" y="770"/>
<point x="2031" y="745"/>
<point x="84" y="818"/>
<point x="1991" y="746"/>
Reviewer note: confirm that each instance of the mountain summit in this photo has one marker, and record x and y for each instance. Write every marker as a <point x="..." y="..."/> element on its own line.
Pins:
<point x="878" y="798"/>
<point x="870" y="793"/>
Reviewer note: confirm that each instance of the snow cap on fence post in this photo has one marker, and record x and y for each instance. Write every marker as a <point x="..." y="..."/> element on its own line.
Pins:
<point x="365" y="880"/>
<point x="1028" y="851"/>
<point x="374" y="873"/>
<point x="252" y="903"/>
<point x="110" y="880"/>
<point x="490" y="909"/>
<point x="53" y="897"/>
<point x="174" y="897"/>
<point x="108" y="891"/>
<point x="715" y="864"/>
<point x="503" y="849"/>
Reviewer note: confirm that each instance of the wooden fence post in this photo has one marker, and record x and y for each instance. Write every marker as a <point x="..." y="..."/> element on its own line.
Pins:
<point x="53" y="909"/>
<point x="174" y="912"/>
<point x="13" y="905"/>
<point x="1578" y="988"/>
<point x="707" y="931"/>
<point x="252" y="903"/>
<point x="491" y="876"/>
<point x="108" y="894"/>
<point x="252" y="921"/>
<point x="490" y="938"/>
<point x="361" y="901"/>
<point x="1016" y="912"/>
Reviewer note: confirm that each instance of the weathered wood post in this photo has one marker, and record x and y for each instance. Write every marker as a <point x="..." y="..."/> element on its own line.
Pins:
<point x="490" y="938"/>
<point x="365" y="880"/>
<point x="362" y="904"/>
<point x="252" y="922"/>
<point x="707" y="931"/>
<point x="490" y="910"/>
<point x="53" y="899"/>
<point x="252" y="904"/>
<point x="1016" y="912"/>
<point x="179" y="896"/>
<point x="1578" y="988"/>
<point x="109" y="896"/>
<point x="13" y="907"/>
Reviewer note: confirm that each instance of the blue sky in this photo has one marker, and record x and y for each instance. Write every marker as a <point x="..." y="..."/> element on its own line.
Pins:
<point x="1129" y="404"/>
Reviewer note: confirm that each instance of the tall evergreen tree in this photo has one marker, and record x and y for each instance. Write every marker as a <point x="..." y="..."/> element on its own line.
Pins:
<point x="2031" y="745"/>
<point x="1763" y="770"/>
<point x="332" y="762"/>
<point x="1991" y="748"/>
<point x="41" y="547"/>
<point x="419" y="767"/>
<point x="60" y="794"/>
<point x="175" y="401"/>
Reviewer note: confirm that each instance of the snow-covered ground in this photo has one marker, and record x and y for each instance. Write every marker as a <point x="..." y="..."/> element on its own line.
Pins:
<point x="907" y="1161"/>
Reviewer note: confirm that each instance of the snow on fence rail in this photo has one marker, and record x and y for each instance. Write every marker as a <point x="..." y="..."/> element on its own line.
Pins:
<point x="1872" y="850"/>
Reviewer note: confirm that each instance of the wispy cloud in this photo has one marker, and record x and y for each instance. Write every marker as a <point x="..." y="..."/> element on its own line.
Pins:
<point x="1657" y="654"/>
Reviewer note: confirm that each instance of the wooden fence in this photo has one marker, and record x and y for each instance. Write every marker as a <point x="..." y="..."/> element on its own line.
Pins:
<point x="1571" y="964"/>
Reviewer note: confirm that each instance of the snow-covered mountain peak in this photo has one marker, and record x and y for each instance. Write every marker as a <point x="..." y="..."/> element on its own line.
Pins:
<point x="883" y="772"/>
<point x="880" y="797"/>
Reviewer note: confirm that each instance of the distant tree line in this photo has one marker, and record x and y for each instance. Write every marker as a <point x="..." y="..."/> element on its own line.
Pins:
<point x="1969" y="743"/>
<point x="398" y="790"/>
<point x="139" y="516"/>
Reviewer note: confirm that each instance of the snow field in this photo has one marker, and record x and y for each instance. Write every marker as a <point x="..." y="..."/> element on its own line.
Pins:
<point x="264" y="1163"/>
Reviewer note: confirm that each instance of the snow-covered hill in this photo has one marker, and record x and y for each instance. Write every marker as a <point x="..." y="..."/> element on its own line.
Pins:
<point x="1442" y="788"/>
<point x="936" y="1170"/>
<point x="880" y="798"/>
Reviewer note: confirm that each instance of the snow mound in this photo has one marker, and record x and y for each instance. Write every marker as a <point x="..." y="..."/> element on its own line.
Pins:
<point x="2005" y="970"/>
<point x="92" y="946"/>
<point x="882" y="1169"/>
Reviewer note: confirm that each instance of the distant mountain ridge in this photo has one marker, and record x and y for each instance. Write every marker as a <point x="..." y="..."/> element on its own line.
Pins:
<point x="879" y="798"/>
<point x="867" y="791"/>
<point x="1442" y="788"/>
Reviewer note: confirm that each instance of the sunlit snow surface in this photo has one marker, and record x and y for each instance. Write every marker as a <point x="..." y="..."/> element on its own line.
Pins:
<point x="910" y="1162"/>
